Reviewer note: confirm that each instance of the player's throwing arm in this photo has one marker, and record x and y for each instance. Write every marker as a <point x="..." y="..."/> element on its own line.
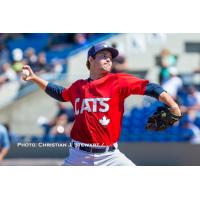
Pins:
<point x="29" y="75"/>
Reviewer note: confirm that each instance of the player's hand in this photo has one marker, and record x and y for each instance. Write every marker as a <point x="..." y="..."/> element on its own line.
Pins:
<point x="27" y="73"/>
<point x="176" y="111"/>
<point x="162" y="119"/>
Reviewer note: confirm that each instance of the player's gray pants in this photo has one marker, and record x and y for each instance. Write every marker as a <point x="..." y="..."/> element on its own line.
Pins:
<point x="82" y="158"/>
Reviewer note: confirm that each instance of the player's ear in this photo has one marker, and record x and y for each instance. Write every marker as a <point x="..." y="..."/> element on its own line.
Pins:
<point x="91" y="59"/>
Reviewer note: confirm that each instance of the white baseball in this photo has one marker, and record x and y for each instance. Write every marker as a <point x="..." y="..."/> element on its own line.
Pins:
<point x="25" y="73"/>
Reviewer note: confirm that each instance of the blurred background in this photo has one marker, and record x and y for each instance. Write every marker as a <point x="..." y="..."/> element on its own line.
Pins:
<point x="31" y="119"/>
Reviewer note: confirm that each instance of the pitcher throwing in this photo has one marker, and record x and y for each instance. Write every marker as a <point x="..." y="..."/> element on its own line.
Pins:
<point x="98" y="103"/>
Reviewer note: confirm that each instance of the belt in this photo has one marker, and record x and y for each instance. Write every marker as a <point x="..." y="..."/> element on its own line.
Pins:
<point x="94" y="149"/>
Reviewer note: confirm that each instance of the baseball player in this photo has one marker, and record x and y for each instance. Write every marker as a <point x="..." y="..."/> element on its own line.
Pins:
<point x="98" y="103"/>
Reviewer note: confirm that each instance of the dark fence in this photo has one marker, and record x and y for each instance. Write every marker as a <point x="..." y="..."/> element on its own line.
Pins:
<point x="142" y="154"/>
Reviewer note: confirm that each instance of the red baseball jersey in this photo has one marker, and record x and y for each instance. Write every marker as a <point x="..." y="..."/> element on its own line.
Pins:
<point x="99" y="106"/>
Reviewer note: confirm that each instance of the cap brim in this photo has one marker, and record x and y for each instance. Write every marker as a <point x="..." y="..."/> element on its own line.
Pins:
<point x="113" y="51"/>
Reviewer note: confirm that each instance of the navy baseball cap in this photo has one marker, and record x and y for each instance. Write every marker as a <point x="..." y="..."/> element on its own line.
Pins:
<point x="100" y="47"/>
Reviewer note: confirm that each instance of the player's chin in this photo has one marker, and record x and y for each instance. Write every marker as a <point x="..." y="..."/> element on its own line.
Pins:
<point x="107" y="68"/>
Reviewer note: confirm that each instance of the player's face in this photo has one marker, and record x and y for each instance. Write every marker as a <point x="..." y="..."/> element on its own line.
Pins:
<point x="103" y="61"/>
